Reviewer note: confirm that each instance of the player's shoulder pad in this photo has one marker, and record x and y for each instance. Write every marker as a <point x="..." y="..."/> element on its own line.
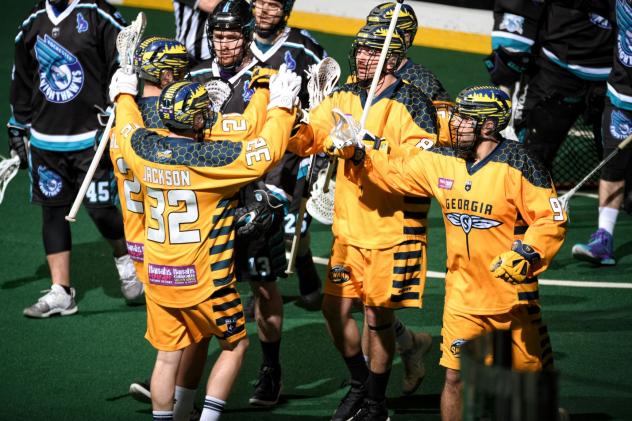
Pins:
<point x="201" y="72"/>
<point x="307" y="40"/>
<point x="517" y="156"/>
<point x="38" y="10"/>
<point x="153" y="147"/>
<point x="418" y="105"/>
<point x="426" y="80"/>
<point x="107" y="11"/>
<point x="442" y="150"/>
<point x="149" y="111"/>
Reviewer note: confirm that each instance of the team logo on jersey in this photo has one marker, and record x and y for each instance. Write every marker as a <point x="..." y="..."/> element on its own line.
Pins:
<point x="446" y="183"/>
<point x="470" y="222"/>
<point x="55" y="32"/>
<point x="289" y="61"/>
<point x="599" y="21"/>
<point x="624" y="47"/>
<point x="620" y="125"/>
<point x="82" y="23"/>
<point x="512" y="23"/>
<point x="231" y="325"/>
<point x="164" y="155"/>
<point x="61" y="74"/>
<point x="455" y="347"/>
<point x="339" y="274"/>
<point x="247" y="93"/>
<point x="468" y="185"/>
<point x="50" y="183"/>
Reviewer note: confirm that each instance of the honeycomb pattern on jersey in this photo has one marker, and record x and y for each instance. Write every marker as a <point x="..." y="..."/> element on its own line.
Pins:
<point x="425" y="80"/>
<point x="149" y="111"/>
<point x="175" y="151"/>
<point x="516" y="156"/>
<point x="416" y="102"/>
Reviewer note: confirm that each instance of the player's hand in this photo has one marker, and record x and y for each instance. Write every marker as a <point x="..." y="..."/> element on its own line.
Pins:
<point x="514" y="266"/>
<point x="284" y="89"/>
<point x="345" y="148"/>
<point x="123" y="83"/>
<point x="261" y="77"/>
<point x="18" y="143"/>
<point x="256" y="218"/>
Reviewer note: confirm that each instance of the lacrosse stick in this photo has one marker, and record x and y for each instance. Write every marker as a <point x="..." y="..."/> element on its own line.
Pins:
<point x="566" y="197"/>
<point x="8" y="169"/>
<point x="322" y="78"/>
<point x="126" y="43"/>
<point x="374" y="82"/>
<point x="219" y="92"/>
<point x="321" y="203"/>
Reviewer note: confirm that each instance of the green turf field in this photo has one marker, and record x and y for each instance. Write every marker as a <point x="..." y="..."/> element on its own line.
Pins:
<point x="79" y="368"/>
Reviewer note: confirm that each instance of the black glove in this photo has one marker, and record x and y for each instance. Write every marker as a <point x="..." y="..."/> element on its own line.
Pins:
<point x="18" y="142"/>
<point x="505" y="67"/>
<point x="255" y="218"/>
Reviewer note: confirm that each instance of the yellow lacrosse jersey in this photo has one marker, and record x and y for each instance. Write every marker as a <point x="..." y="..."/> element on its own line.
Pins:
<point x="485" y="207"/>
<point x="234" y="126"/>
<point x="365" y="216"/>
<point x="190" y="199"/>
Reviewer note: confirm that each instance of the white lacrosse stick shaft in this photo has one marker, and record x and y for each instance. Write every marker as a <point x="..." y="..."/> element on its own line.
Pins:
<point x="296" y="239"/>
<point x="566" y="197"/>
<point x="126" y="43"/>
<point x="72" y="215"/>
<point x="8" y="169"/>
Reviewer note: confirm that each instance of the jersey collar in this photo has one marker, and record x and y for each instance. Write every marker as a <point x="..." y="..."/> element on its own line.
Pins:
<point x="235" y="78"/>
<point x="473" y="167"/>
<point x="56" y="20"/>
<point x="265" y="56"/>
<point x="387" y="93"/>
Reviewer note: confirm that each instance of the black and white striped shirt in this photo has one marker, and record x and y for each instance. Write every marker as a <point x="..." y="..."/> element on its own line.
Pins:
<point x="190" y="24"/>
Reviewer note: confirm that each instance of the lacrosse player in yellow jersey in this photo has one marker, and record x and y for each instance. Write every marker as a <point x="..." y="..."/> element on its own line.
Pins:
<point x="189" y="201"/>
<point x="504" y="224"/>
<point x="378" y="253"/>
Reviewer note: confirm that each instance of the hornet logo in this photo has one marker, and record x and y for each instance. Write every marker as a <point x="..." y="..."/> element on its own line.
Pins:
<point x="620" y="125"/>
<point x="61" y="74"/>
<point x="50" y="183"/>
<point x="289" y="61"/>
<point x="469" y="222"/>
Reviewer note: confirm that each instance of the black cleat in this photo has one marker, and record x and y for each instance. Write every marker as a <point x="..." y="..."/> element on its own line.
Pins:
<point x="372" y="411"/>
<point x="351" y="403"/>
<point x="268" y="387"/>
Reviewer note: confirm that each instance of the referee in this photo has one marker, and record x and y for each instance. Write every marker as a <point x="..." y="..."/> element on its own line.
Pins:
<point x="191" y="16"/>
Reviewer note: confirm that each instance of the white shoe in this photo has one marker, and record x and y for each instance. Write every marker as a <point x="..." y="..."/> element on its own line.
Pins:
<point x="131" y="287"/>
<point x="55" y="301"/>
<point x="414" y="369"/>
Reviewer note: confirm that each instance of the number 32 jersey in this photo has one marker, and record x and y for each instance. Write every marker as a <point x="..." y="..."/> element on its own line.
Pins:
<point x="189" y="201"/>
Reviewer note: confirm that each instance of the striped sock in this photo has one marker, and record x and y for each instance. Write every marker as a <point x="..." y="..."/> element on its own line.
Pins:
<point x="213" y="408"/>
<point x="162" y="415"/>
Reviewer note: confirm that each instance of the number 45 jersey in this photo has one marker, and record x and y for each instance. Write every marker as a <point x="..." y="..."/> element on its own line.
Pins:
<point x="190" y="198"/>
<point x="486" y="206"/>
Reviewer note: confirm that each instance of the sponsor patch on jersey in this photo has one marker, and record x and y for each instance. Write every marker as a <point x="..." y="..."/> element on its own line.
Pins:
<point x="455" y="347"/>
<point x="247" y="93"/>
<point x="50" y="182"/>
<point x="61" y="74"/>
<point x="82" y="23"/>
<point x="289" y="61"/>
<point x="620" y="125"/>
<point x="599" y="21"/>
<point x="173" y="276"/>
<point x="446" y="183"/>
<point x="136" y="251"/>
<point x="339" y="274"/>
<point x="512" y="23"/>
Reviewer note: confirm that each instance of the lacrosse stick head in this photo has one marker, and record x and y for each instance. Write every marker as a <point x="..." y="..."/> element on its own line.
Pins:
<point x="219" y="92"/>
<point x="345" y="127"/>
<point x="565" y="200"/>
<point x="320" y="205"/>
<point x="322" y="78"/>
<point x="8" y="169"/>
<point x="127" y="41"/>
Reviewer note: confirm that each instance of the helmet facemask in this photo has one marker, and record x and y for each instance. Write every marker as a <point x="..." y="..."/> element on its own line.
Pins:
<point x="363" y="64"/>
<point x="271" y="16"/>
<point x="229" y="48"/>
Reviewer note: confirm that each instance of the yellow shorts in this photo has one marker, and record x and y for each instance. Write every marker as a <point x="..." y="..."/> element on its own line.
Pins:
<point x="531" y="346"/>
<point x="391" y="278"/>
<point x="222" y="315"/>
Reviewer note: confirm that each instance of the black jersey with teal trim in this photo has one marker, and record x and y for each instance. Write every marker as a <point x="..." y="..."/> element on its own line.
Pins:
<point x="620" y="79"/>
<point x="424" y="79"/>
<point x="62" y="69"/>
<point x="296" y="48"/>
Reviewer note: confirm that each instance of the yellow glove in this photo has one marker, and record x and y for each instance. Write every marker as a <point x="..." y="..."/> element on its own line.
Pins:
<point x="261" y="77"/>
<point x="514" y="266"/>
<point x="345" y="149"/>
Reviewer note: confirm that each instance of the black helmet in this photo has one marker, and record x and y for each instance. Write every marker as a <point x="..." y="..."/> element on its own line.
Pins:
<point x="232" y="15"/>
<point x="287" y="10"/>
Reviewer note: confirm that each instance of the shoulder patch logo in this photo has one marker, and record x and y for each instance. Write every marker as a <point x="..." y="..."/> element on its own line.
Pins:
<point x="620" y="125"/>
<point x="469" y="222"/>
<point x="50" y="182"/>
<point x="455" y="347"/>
<point x="82" y="23"/>
<point x="512" y="23"/>
<point x="339" y="274"/>
<point x="599" y="21"/>
<point x="289" y="61"/>
<point x="247" y="93"/>
<point x="446" y="183"/>
<point x="61" y="74"/>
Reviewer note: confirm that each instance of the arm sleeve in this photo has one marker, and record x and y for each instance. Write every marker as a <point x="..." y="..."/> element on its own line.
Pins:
<point x="22" y="83"/>
<point x="310" y="138"/>
<point x="242" y="126"/>
<point x="110" y="24"/>
<point x="516" y="24"/>
<point x="405" y="176"/>
<point x="546" y="218"/>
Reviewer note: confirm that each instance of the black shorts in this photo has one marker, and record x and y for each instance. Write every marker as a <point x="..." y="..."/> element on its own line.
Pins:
<point x="262" y="259"/>
<point x="617" y="125"/>
<point x="57" y="176"/>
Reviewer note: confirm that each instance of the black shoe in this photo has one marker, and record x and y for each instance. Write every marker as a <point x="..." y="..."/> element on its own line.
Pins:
<point x="268" y="387"/>
<point x="372" y="411"/>
<point x="140" y="391"/>
<point x="351" y="403"/>
<point x="249" y="308"/>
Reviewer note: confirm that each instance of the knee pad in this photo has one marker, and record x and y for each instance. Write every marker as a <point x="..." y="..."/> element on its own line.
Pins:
<point x="55" y="229"/>
<point x="108" y="220"/>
